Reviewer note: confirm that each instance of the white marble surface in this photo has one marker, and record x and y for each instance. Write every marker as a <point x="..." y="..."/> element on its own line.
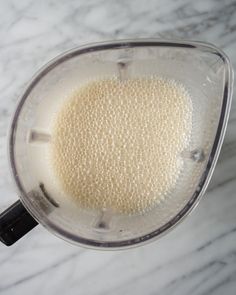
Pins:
<point x="199" y="256"/>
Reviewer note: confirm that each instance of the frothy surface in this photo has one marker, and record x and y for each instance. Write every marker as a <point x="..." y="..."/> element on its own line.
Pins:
<point x="117" y="144"/>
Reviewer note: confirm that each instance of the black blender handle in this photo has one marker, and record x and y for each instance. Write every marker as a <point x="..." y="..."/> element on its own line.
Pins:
<point x="15" y="222"/>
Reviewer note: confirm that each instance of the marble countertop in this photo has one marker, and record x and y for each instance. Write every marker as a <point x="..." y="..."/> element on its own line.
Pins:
<point x="199" y="256"/>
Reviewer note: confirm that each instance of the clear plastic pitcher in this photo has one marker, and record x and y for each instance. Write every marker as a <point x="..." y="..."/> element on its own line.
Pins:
<point x="206" y="73"/>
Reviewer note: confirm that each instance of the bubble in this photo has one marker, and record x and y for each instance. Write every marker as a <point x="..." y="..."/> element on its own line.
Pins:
<point x="117" y="144"/>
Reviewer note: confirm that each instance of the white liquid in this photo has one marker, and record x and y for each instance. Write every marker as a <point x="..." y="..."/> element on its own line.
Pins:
<point x="118" y="144"/>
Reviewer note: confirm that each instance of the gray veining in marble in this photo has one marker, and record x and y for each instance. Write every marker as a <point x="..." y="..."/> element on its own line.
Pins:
<point x="199" y="256"/>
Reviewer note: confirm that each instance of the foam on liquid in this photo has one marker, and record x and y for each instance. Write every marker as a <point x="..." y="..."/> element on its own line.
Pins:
<point x="117" y="144"/>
